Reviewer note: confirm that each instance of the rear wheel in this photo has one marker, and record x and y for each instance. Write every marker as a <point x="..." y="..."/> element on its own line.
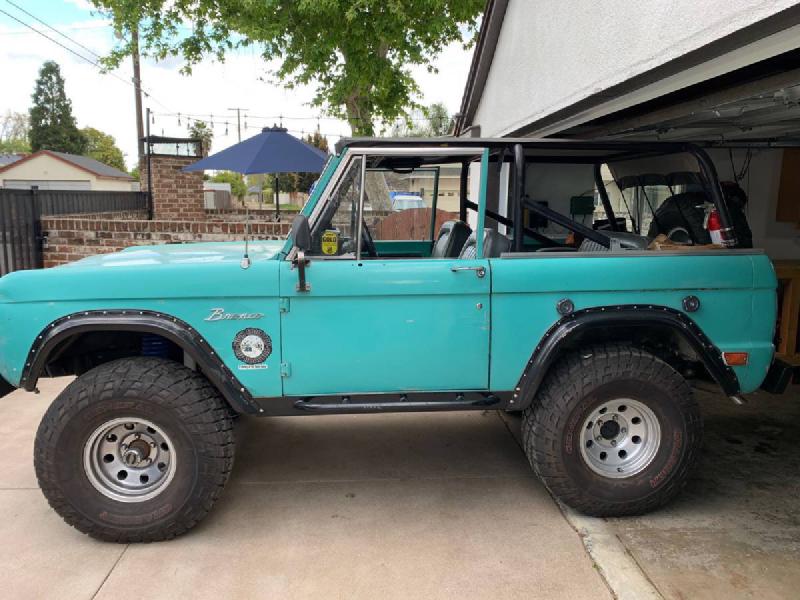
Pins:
<point x="135" y="450"/>
<point x="613" y="431"/>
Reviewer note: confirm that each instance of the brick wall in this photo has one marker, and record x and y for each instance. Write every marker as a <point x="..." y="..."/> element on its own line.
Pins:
<point x="73" y="238"/>
<point x="113" y="215"/>
<point x="176" y="194"/>
<point x="240" y="214"/>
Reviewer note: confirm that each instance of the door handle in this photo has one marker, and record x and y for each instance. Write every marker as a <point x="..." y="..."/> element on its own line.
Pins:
<point x="479" y="271"/>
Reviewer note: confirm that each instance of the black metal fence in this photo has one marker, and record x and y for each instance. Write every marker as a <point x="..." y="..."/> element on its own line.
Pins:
<point x="21" y="212"/>
<point x="55" y="202"/>
<point x="20" y="232"/>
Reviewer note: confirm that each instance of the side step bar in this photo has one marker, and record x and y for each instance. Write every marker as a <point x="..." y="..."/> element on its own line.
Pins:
<point x="349" y="404"/>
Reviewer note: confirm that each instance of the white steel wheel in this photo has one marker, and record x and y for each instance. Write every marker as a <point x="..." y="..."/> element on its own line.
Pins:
<point x="129" y="459"/>
<point x="620" y="438"/>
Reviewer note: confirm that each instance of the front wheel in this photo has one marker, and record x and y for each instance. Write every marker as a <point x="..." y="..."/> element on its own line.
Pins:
<point x="135" y="450"/>
<point x="613" y="431"/>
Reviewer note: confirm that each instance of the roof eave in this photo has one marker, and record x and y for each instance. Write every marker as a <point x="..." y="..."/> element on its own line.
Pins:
<point x="482" y="58"/>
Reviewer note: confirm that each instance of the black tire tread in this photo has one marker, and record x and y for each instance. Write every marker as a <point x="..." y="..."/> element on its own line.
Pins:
<point x="572" y="378"/>
<point x="201" y="408"/>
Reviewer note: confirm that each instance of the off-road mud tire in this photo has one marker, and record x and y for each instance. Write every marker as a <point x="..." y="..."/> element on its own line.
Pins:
<point x="172" y="397"/>
<point x="580" y="382"/>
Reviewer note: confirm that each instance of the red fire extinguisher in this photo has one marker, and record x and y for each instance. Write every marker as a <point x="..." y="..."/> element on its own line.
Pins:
<point x="714" y="227"/>
<point x="719" y="236"/>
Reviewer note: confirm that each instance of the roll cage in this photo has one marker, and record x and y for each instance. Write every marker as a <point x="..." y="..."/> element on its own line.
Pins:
<point x="519" y="153"/>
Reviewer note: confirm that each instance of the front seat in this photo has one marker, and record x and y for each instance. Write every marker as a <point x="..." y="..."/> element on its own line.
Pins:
<point x="452" y="236"/>
<point x="494" y="244"/>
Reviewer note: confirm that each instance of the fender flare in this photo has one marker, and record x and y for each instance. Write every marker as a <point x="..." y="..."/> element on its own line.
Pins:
<point x="629" y="315"/>
<point x="141" y="321"/>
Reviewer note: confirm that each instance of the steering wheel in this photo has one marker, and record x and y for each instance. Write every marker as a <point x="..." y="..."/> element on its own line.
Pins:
<point x="367" y="240"/>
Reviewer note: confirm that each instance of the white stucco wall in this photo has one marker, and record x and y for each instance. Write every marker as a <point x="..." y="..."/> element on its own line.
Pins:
<point x="553" y="53"/>
<point x="47" y="168"/>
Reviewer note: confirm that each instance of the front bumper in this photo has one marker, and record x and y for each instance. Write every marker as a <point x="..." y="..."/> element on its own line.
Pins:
<point x="778" y="377"/>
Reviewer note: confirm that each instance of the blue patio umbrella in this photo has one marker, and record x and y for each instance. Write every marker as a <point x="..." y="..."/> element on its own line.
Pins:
<point x="272" y="151"/>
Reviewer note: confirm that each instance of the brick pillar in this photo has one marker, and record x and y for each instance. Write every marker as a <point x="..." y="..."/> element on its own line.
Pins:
<point x="176" y="195"/>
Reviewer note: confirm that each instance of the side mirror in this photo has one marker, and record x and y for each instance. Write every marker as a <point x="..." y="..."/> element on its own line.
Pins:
<point x="301" y="233"/>
<point x="301" y="237"/>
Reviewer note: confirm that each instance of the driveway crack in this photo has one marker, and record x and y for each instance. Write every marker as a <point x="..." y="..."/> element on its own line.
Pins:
<point x="111" y="570"/>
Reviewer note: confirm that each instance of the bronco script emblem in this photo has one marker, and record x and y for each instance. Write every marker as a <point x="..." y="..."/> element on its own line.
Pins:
<point x="219" y="314"/>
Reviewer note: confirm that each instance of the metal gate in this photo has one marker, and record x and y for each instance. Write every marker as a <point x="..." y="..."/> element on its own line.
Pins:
<point x="21" y="211"/>
<point x="20" y="232"/>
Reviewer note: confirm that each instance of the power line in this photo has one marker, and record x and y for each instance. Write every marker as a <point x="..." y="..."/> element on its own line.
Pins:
<point x="277" y="118"/>
<point x="73" y="52"/>
<point x="67" y="27"/>
<point x="50" y="27"/>
<point x="44" y="35"/>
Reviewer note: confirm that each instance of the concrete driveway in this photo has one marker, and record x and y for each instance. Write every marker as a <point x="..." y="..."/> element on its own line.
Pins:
<point x="370" y="506"/>
<point x="425" y="506"/>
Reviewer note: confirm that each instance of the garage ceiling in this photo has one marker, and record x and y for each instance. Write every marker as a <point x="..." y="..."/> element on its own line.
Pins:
<point x="760" y="103"/>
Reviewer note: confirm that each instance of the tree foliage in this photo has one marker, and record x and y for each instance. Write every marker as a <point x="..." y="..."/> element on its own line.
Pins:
<point x="14" y="131"/>
<point x="302" y="182"/>
<point x="103" y="147"/>
<point x="200" y="130"/>
<point x="430" y="121"/>
<point x="238" y="186"/>
<point x="357" y="51"/>
<point x="52" y="126"/>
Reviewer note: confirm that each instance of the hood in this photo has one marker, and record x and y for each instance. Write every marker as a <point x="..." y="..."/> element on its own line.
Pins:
<point x="176" y="254"/>
<point x="198" y="270"/>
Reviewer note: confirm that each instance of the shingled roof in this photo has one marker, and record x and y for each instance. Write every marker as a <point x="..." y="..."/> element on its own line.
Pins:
<point x="82" y="162"/>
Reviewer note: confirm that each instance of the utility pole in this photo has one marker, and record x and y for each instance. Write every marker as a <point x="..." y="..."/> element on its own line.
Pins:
<point x="137" y="90"/>
<point x="150" y="204"/>
<point x="239" y="120"/>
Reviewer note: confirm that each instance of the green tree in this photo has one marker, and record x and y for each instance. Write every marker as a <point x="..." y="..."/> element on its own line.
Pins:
<point x="52" y="126"/>
<point x="201" y="131"/>
<point x="14" y="131"/>
<point x="302" y="182"/>
<point x="431" y="121"/>
<point x="358" y="52"/>
<point x="103" y="147"/>
<point x="238" y="186"/>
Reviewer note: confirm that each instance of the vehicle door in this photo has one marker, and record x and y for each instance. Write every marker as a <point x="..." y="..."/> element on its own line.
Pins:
<point x="395" y="322"/>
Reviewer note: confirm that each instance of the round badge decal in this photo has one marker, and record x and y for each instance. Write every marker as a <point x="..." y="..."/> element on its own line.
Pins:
<point x="252" y="346"/>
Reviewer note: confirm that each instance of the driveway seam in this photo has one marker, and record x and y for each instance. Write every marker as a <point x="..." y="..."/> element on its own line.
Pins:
<point x="630" y="553"/>
<point x="111" y="570"/>
<point x="642" y="589"/>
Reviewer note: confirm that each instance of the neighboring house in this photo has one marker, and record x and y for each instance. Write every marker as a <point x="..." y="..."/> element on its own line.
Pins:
<point x="7" y="159"/>
<point x="720" y="73"/>
<point x="217" y="195"/>
<point x="60" y="171"/>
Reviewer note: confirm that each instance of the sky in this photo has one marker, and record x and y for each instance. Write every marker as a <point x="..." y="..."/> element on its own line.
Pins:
<point x="106" y="102"/>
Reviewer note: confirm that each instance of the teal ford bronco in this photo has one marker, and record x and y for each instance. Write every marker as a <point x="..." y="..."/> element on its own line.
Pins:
<point x="525" y="282"/>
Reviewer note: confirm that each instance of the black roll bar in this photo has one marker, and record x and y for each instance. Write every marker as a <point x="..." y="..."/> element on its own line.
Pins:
<point x="509" y="223"/>
<point x="601" y="189"/>
<point x="570" y="224"/>
<point x="518" y="191"/>
<point x="462" y="201"/>
<point x="709" y="171"/>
